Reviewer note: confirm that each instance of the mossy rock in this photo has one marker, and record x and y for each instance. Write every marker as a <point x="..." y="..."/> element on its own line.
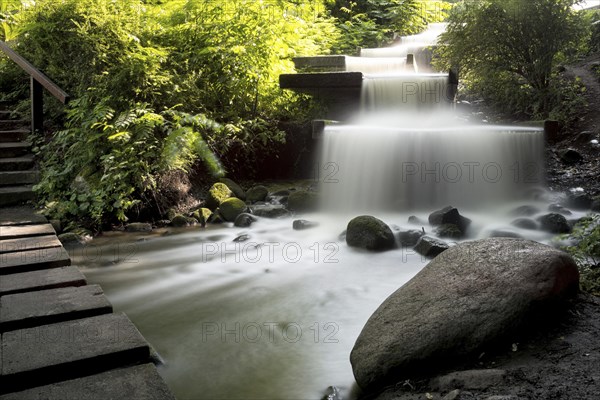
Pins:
<point x="218" y="193"/>
<point x="181" y="220"/>
<point x="370" y="233"/>
<point x="202" y="215"/>
<point x="71" y="239"/>
<point x="302" y="201"/>
<point x="138" y="227"/>
<point x="257" y="193"/>
<point x="235" y="188"/>
<point x="231" y="208"/>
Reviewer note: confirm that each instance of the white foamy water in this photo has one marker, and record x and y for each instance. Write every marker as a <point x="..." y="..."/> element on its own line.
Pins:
<point x="377" y="65"/>
<point x="418" y="45"/>
<point x="402" y="92"/>
<point x="428" y="160"/>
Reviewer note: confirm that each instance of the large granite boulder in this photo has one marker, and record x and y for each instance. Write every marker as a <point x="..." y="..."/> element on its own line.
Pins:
<point x="470" y="295"/>
<point x="370" y="233"/>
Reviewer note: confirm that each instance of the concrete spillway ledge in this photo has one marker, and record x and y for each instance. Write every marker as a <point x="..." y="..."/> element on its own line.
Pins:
<point x="319" y="81"/>
<point x="320" y="63"/>
<point x="59" y="337"/>
<point x="340" y="91"/>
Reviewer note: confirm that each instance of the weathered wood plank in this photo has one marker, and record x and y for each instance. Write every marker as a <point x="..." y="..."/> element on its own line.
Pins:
<point x="29" y="243"/>
<point x="52" y="278"/>
<point x="26" y="310"/>
<point x="33" y="260"/>
<point x="141" y="382"/>
<point x="67" y="350"/>
<point x="14" y="232"/>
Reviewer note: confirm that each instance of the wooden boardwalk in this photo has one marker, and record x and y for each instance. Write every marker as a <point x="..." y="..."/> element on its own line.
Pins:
<point x="59" y="337"/>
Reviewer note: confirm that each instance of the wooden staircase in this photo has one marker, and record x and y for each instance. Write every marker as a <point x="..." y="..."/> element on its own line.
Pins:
<point x="17" y="167"/>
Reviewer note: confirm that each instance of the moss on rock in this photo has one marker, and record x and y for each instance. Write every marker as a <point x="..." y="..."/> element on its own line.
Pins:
<point x="231" y="208"/>
<point x="235" y="188"/>
<point x="257" y="193"/>
<point x="202" y="215"/>
<point x="370" y="233"/>
<point x="302" y="201"/>
<point x="218" y="193"/>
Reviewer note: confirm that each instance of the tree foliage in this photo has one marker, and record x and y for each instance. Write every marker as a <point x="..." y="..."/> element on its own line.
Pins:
<point x="374" y="23"/>
<point x="508" y="49"/>
<point x="158" y="86"/>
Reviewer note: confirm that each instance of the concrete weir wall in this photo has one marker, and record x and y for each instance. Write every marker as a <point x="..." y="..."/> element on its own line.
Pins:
<point x="59" y="337"/>
<point x="325" y="78"/>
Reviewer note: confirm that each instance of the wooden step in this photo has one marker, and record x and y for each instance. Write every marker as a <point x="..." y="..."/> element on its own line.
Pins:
<point x="14" y="216"/>
<point x="33" y="260"/>
<point x="24" y="231"/>
<point x="67" y="350"/>
<point x="8" y="124"/>
<point x="14" y="195"/>
<point x="139" y="382"/>
<point x="52" y="278"/>
<point x="13" y="135"/>
<point x="6" y="114"/>
<point x="12" y="178"/>
<point x="28" y="243"/>
<point x="21" y="163"/>
<point x="14" y="149"/>
<point x="26" y="310"/>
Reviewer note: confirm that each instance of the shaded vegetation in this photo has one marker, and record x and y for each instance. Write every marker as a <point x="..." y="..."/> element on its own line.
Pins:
<point x="509" y="50"/>
<point x="585" y="248"/>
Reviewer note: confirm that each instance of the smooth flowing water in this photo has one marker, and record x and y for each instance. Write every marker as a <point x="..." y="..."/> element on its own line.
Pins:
<point x="268" y="312"/>
<point x="274" y="317"/>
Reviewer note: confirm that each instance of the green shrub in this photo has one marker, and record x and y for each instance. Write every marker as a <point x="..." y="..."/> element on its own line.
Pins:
<point x="584" y="246"/>
<point x="156" y="88"/>
<point x="506" y="54"/>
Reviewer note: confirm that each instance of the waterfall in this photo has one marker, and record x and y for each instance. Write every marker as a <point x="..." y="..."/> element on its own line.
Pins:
<point x="404" y="92"/>
<point x="408" y="150"/>
<point x="422" y="164"/>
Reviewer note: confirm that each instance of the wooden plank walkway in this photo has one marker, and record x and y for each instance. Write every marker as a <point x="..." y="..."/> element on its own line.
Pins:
<point x="59" y="337"/>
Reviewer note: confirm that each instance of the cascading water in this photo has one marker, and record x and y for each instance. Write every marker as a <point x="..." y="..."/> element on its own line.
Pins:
<point x="402" y="169"/>
<point x="268" y="312"/>
<point x="407" y="150"/>
<point x="418" y="45"/>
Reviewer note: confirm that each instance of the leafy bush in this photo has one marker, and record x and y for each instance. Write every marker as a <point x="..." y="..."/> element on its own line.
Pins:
<point x="156" y="88"/>
<point x="585" y="249"/>
<point x="505" y="52"/>
<point x="105" y="163"/>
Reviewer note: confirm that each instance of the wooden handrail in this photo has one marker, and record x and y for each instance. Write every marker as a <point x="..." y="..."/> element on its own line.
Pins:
<point x="36" y="74"/>
<point x="39" y="81"/>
